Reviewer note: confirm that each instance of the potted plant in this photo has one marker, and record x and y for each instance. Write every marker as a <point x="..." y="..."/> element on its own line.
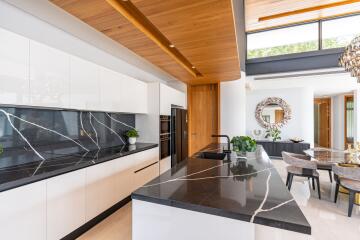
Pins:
<point x="1" y="149"/>
<point x="243" y="144"/>
<point x="132" y="135"/>
<point x="273" y="134"/>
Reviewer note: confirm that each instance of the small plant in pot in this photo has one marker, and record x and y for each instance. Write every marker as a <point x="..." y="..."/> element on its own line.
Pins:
<point x="243" y="144"/>
<point x="273" y="134"/>
<point x="132" y="135"/>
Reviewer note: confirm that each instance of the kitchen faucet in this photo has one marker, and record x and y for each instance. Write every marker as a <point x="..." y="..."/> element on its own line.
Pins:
<point x="228" y="142"/>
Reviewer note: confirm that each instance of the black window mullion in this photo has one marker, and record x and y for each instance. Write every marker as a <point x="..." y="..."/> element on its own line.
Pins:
<point x="320" y="35"/>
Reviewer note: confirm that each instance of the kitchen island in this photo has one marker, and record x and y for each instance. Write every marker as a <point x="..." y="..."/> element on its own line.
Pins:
<point x="218" y="199"/>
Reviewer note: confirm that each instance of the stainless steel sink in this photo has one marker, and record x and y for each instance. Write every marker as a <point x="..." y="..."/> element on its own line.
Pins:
<point x="212" y="155"/>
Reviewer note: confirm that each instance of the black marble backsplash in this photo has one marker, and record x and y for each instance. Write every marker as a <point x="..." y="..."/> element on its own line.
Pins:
<point x="64" y="131"/>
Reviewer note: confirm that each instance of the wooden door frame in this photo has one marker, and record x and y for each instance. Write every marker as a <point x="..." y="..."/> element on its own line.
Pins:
<point x="328" y="101"/>
<point x="345" y="117"/>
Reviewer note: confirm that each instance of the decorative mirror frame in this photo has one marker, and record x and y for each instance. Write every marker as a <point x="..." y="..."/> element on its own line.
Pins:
<point x="272" y="100"/>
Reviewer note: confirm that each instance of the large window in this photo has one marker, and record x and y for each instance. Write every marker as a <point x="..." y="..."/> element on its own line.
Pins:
<point x="324" y="34"/>
<point x="339" y="32"/>
<point x="282" y="41"/>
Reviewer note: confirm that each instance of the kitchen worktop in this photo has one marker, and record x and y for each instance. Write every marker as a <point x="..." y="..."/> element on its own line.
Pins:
<point x="21" y="166"/>
<point x="249" y="190"/>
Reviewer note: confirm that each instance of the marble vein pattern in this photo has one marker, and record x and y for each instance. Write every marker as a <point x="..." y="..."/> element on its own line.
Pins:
<point x="44" y="133"/>
<point x="248" y="190"/>
<point x="118" y="121"/>
<point x="87" y="134"/>
<point x="184" y="178"/>
<point x="110" y="129"/>
<point x="21" y="135"/>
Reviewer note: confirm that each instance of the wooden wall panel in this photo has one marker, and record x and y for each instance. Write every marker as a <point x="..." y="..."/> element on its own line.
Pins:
<point x="324" y="128"/>
<point x="203" y="105"/>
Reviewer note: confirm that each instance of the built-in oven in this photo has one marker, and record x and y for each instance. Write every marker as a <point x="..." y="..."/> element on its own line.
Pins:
<point x="164" y="124"/>
<point x="164" y="145"/>
<point x="164" y="136"/>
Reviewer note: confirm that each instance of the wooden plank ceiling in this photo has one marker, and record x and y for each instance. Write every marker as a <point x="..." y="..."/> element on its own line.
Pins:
<point x="255" y="9"/>
<point x="202" y="30"/>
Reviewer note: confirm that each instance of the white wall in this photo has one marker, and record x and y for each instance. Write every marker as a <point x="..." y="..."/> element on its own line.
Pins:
<point x="302" y="106"/>
<point x="233" y="108"/>
<point x="338" y="121"/>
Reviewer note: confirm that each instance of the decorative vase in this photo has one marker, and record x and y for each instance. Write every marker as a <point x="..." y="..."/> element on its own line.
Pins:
<point x="241" y="155"/>
<point x="132" y="140"/>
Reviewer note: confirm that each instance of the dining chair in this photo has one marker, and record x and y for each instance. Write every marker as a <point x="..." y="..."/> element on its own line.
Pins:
<point x="348" y="178"/>
<point x="301" y="165"/>
<point x="324" y="165"/>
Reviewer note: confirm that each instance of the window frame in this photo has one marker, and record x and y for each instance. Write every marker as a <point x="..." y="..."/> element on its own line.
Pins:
<point x="320" y="33"/>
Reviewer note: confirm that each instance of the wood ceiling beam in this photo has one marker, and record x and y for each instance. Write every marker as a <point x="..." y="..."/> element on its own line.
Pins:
<point x="127" y="9"/>
<point x="305" y="10"/>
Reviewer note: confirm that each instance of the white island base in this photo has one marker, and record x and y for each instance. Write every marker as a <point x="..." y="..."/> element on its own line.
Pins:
<point x="151" y="221"/>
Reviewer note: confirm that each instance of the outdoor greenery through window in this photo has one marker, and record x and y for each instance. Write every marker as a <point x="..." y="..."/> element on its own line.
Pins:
<point x="282" y="41"/>
<point x="339" y="32"/>
<point x="335" y="33"/>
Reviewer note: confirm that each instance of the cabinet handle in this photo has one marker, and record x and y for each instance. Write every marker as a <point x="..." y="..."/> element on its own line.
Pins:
<point x="145" y="167"/>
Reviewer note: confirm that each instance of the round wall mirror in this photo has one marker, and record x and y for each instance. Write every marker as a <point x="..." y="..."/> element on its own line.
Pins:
<point x="273" y="113"/>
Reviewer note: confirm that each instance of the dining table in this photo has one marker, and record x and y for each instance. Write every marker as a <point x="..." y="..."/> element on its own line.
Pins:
<point x="328" y="156"/>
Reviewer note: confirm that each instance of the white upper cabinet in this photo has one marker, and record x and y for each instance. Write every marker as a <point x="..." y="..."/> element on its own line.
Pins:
<point x="84" y="84"/>
<point x="111" y="85"/>
<point x="170" y="96"/>
<point x="49" y="76"/>
<point x="121" y="93"/>
<point x="135" y="96"/>
<point x="23" y="212"/>
<point x="14" y="68"/>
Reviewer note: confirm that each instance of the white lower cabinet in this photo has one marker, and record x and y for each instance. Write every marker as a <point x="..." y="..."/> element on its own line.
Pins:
<point x="65" y="204"/>
<point x="124" y="184"/>
<point x="146" y="167"/>
<point x="165" y="164"/>
<point x="100" y="188"/>
<point x="23" y="212"/>
<point x="145" y="174"/>
<point x="53" y="208"/>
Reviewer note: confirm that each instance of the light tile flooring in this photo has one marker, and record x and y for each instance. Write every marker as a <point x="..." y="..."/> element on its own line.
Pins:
<point x="329" y="221"/>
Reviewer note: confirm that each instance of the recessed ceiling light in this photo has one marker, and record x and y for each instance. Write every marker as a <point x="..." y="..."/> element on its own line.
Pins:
<point x="193" y="67"/>
<point x="172" y="45"/>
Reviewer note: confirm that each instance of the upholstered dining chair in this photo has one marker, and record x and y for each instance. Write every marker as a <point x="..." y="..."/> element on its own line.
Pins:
<point x="324" y="165"/>
<point x="348" y="178"/>
<point x="301" y="165"/>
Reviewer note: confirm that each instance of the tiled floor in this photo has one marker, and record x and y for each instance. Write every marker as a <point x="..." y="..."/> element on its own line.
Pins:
<point x="329" y="221"/>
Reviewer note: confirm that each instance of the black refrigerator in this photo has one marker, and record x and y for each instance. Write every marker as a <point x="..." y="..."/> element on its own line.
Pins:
<point x="179" y="135"/>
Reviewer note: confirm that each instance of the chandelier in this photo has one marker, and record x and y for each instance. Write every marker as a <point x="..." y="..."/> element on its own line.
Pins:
<point x="350" y="59"/>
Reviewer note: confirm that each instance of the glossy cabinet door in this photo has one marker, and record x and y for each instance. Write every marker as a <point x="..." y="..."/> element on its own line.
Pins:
<point x="111" y="85"/>
<point x="65" y="204"/>
<point x="100" y="188"/>
<point x="23" y="212"/>
<point x="134" y="94"/>
<point x="84" y="84"/>
<point x="49" y="76"/>
<point x="121" y="93"/>
<point x="124" y="172"/>
<point x="146" y="166"/>
<point x="14" y="68"/>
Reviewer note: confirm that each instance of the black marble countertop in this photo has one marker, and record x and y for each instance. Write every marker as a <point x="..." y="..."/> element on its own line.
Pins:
<point x="21" y="166"/>
<point x="249" y="190"/>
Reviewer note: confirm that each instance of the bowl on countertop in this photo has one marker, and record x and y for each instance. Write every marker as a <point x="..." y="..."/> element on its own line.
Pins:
<point x="295" y="140"/>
